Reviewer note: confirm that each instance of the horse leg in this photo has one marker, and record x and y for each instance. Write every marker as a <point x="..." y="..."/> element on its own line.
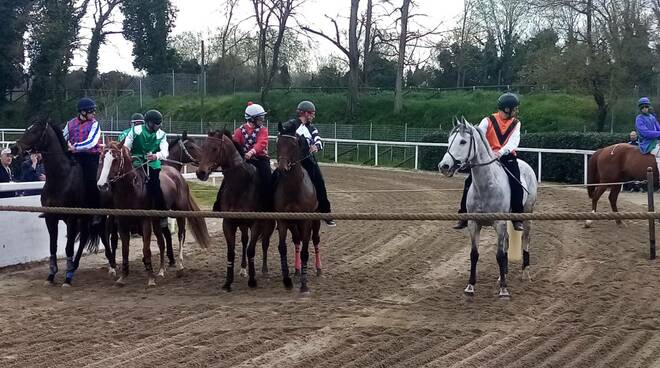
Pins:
<point x="125" y="236"/>
<point x="181" y="224"/>
<point x="268" y="227"/>
<point x="598" y="192"/>
<point x="613" y="197"/>
<point x="475" y="230"/>
<point x="164" y="241"/>
<point x="316" y="240"/>
<point x="51" y="224"/>
<point x="282" y="230"/>
<point x="71" y="235"/>
<point x="255" y="232"/>
<point x="84" y="236"/>
<point x="525" y="244"/>
<point x="502" y="256"/>
<point x="229" y="228"/>
<point x="305" y="232"/>
<point x="111" y="246"/>
<point x="167" y="234"/>
<point x="245" y="238"/>
<point x="295" y="234"/>
<point x="146" y="249"/>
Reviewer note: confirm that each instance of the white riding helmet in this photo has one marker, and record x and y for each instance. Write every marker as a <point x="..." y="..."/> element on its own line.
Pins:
<point x="254" y="111"/>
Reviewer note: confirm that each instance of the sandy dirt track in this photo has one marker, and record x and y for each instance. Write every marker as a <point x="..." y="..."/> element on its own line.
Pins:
<point x="391" y="296"/>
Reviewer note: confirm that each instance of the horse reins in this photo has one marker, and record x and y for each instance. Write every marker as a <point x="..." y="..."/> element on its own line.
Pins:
<point x="295" y="162"/>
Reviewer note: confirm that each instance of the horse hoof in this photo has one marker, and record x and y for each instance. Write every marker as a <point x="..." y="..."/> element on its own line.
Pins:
<point x="161" y="273"/>
<point x="504" y="293"/>
<point x="526" y="275"/>
<point x="226" y="287"/>
<point x="252" y="284"/>
<point x="319" y="272"/>
<point x="151" y="282"/>
<point x="587" y="224"/>
<point x="243" y="272"/>
<point x="49" y="283"/>
<point x="120" y="282"/>
<point x="288" y="283"/>
<point x="66" y="285"/>
<point x="304" y="290"/>
<point x="264" y="270"/>
<point x="112" y="273"/>
<point x="469" y="290"/>
<point x="180" y="272"/>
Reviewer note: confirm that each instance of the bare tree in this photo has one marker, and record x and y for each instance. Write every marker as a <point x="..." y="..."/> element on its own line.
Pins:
<point x="368" y="41"/>
<point x="351" y="52"/>
<point x="403" y="40"/>
<point x="460" y="60"/>
<point x="102" y="18"/>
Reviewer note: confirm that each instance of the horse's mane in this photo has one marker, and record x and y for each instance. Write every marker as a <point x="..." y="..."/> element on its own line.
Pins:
<point x="60" y="136"/>
<point x="228" y="134"/>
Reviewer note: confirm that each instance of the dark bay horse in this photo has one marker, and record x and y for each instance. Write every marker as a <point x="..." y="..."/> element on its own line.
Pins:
<point x="616" y="163"/>
<point x="242" y="193"/>
<point x="64" y="187"/>
<point x="128" y="188"/>
<point x="294" y="192"/>
<point x="183" y="150"/>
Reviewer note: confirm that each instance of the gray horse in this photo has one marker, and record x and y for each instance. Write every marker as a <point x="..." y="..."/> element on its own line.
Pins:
<point x="490" y="192"/>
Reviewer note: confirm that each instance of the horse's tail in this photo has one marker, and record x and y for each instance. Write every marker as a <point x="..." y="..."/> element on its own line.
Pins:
<point x="95" y="232"/>
<point x="592" y="173"/>
<point x="198" y="224"/>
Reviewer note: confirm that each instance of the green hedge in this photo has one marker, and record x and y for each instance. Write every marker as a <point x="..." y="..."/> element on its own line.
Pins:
<point x="565" y="168"/>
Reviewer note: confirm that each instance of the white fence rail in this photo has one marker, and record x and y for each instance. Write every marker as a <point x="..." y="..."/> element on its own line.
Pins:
<point x="8" y="136"/>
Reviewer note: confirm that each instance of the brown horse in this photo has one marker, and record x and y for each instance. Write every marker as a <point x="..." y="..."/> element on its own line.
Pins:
<point x="63" y="188"/>
<point x="242" y="193"/>
<point x="616" y="163"/>
<point x="294" y="192"/>
<point x="183" y="150"/>
<point x="128" y="188"/>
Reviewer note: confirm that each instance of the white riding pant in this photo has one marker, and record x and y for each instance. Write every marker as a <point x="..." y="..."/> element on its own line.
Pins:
<point x="656" y="152"/>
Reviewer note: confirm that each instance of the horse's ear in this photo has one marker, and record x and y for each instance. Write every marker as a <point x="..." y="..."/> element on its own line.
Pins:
<point x="184" y="135"/>
<point x="454" y="121"/>
<point x="280" y="128"/>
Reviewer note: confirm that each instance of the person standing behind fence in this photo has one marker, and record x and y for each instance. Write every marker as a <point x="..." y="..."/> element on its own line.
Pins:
<point x="6" y="175"/>
<point x="33" y="170"/>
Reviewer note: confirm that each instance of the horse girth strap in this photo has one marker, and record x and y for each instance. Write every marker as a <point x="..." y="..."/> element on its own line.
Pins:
<point x="502" y="136"/>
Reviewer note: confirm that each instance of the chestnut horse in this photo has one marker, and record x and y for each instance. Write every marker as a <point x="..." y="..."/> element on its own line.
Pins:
<point x="613" y="164"/>
<point x="294" y="192"/>
<point x="243" y="192"/>
<point x="128" y="188"/>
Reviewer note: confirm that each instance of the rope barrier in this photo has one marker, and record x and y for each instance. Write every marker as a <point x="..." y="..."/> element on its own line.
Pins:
<point x="343" y="216"/>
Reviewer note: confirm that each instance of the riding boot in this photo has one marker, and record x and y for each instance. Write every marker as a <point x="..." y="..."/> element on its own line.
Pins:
<point x="319" y="184"/>
<point x="462" y="224"/>
<point x="511" y="164"/>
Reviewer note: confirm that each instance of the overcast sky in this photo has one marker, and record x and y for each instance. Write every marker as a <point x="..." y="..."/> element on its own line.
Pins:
<point x="205" y="15"/>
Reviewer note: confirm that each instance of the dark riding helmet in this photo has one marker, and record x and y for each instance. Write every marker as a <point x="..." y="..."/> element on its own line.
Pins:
<point x="154" y="117"/>
<point x="507" y="100"/>
<point x="306" y="106"/>
<point x="86" y="104"/>
<point x="644" y="102"/>
<point x="137" y="118"/>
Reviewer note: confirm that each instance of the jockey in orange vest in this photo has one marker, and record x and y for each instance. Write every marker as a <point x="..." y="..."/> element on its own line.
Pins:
<point x="502" y="130"/>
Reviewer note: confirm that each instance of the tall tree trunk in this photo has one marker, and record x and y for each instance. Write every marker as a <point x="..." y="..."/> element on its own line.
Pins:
<point x="366" y="61"/>
<point x="93" y="58"/>
<point x="461" y="45"/>
<point x="353" y="61"/>
<point x="595" y="81"/>
<point x="276" y="55"/>
<point x="403" y="38"/>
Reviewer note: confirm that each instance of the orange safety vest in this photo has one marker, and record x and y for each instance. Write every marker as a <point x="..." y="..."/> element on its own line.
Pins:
<point x="499" y="131"/>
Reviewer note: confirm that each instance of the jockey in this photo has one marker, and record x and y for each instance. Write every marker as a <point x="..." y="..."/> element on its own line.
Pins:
<point x="502" y="130"/>
<point x="648" y="129"/>
<point x="252" y="137"/>
<point x="147" y="143"/>
<point x="136" y="119"/>
<point x="306" y="112"/>
<point x="83" y="135"/>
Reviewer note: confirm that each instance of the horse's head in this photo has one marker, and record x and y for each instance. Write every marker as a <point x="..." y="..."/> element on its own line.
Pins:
<point x="461" y="149"/>
<point x="290" y="150"/>
<point x="185" y="150"/>
<point x="215" y="152"/>
<point x="115" y="161"/>
<point x="34" y="138"/>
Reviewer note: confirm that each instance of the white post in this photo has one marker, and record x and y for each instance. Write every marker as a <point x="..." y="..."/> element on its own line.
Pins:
<point x="3" y="135"/>
<point x="540" y="165"/>
<point x="416" y="157"/>
<point x="405" y="133"/>
<point x="336" y="151"/>
<point x="172" y="82"/>
<point x="586" y="163"/>
<point x="335" y="130"/>
<point x="375" y="154"/>
<point x="140" y="80"/>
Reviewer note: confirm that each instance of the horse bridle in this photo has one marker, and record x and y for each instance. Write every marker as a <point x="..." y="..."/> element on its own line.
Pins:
<point x="293" y="163"/>
<point x="184" y="150"/>
<point x="472" y="152"/>
<point x="216" y="163"/>
<point x="121" y="167"/>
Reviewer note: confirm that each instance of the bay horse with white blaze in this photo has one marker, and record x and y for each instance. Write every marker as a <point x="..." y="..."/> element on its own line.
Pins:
<point x="489" y="192"/>
<point x="128" y="188"/>
<point x="243" y="192"/>
<point x="64" y="187"/>
<point x="294" y="192"/>
<point x="613" y="164"/>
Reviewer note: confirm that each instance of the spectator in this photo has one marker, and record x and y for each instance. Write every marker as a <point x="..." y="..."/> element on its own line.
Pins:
<point x="633" y="138"/>
<point x="33" y="170"/>
<point x="5" y="171"/>
<point x="633" y="187"/>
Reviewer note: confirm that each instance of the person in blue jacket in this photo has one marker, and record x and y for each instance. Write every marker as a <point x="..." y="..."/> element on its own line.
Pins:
<point x="648" y="129"/>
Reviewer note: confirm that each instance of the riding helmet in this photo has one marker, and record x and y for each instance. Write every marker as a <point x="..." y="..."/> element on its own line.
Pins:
<point x="306" y="106"/>
<point x="644" y="102"/>
<point x="86" y="104"/>
<point x="153" y="116"/>
<point x="254" y="111"/>
<point x="507" y="100"/>
<point x="137" y="118"/>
